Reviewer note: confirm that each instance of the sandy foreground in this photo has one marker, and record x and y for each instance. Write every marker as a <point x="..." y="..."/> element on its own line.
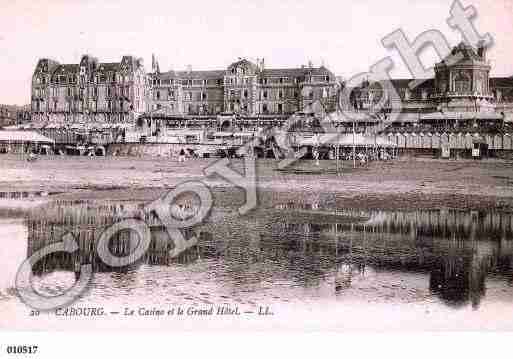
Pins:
<point x="406" y="183"/>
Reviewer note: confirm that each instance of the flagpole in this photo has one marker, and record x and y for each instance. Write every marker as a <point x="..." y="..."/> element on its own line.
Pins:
<point x="354" y="146"/>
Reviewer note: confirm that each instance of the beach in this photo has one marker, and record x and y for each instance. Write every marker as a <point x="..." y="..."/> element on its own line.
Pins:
<point x="406" y="183"/>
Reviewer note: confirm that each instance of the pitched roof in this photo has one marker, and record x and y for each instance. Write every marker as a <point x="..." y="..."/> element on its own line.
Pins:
<point x="108" y="66"/>
<point x="65" y="69"/>
<point x="501" y="82"/>
<point x="218" y="74"/>
<point x="207" y="74"/>
<point x="301" y="71"/>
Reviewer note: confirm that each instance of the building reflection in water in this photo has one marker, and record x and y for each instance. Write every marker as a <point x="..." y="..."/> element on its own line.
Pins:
<point x="304" y="244"/>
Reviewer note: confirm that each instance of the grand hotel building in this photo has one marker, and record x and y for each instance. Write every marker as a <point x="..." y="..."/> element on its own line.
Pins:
<point x="89" y="91"/>
<point x="461" y="94"/>
<point x="92" y="91"/>
<point x="244" y="88"/>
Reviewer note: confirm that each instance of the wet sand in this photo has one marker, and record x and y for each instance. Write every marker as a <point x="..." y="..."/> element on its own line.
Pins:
<point x="407" y="183"/>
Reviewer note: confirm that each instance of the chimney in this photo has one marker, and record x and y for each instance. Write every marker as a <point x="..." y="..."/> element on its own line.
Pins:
<point x="481" y="50"/>
<point x="189" y="68"/>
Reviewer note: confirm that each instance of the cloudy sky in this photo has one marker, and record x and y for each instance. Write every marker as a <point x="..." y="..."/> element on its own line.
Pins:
<point x="345" y="35"/>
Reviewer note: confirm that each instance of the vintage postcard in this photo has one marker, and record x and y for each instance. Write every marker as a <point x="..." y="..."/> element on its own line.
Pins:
<point x="240" y="166"/>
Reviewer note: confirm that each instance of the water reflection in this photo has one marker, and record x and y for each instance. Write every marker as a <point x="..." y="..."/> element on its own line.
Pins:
<point x="300" y="250"/>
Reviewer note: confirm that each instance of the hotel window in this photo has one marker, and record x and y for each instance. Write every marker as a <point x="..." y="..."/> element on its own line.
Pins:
<point x="203" y="96"/>
<point x="265" y="94"/>
<point x="280" y="95"/>
<point x="170" y="94"/>
<point x="327" y="79"/>
<point x="281" y="80"/>
<point x="245" y="93"/>
<point x="69" y="91"/>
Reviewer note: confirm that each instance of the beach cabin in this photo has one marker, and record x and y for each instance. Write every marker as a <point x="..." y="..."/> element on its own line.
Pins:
<point x="17" y="141"/>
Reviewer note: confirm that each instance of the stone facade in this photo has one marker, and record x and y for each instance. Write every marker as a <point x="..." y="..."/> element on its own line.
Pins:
<point x="244" y="88"/>
<point x="88" y="91"/>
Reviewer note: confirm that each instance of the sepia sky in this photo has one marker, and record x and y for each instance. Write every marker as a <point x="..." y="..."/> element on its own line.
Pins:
<point x="344" y="35"/>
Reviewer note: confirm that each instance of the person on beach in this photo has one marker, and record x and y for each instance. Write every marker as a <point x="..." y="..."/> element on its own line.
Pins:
<point x="181" y="157"/>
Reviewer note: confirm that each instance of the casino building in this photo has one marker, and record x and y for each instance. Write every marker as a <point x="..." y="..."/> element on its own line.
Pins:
<point x="461" y="96"/>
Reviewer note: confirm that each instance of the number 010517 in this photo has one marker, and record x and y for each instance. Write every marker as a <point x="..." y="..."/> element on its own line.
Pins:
<point x="22" y="349"/>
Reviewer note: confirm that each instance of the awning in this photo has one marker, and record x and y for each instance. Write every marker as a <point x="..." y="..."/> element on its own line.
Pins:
<point x="461" y="116"/>
<point x="24" y="136"/>
<point x="244" y="134"/>
<point x="223" y="134"/>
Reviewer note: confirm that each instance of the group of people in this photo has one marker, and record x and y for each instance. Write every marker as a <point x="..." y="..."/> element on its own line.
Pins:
<point x="363" y="156"/>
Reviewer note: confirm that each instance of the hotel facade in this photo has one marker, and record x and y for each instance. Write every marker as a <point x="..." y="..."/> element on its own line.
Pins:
<point x="89" y="91"/>
<point x="92" y="91"/>
<point x="460" y="94"/>
<point x="244" y="88"/>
